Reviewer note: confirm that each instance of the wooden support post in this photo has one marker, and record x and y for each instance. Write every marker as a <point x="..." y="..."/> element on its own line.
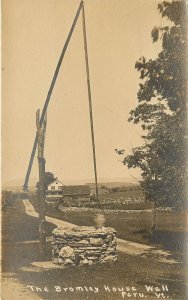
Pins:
<point x="41" y="129"/>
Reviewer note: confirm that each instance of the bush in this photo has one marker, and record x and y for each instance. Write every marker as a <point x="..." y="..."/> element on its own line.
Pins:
<point x="8" y="198"/>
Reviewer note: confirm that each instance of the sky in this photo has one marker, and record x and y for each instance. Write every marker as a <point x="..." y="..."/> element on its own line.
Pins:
<point x="33" y="34"/>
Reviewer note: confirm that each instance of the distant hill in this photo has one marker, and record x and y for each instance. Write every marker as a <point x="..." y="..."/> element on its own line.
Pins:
<point x="16" y="185"/>
<point x="19" y="182"/>
<point x="102" y="181"/>
<point x="114" y="184"/>
<point x="16" y="188"/>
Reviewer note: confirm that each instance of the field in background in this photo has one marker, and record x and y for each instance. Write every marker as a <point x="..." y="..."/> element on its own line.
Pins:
<point x="132" y="220"/>
<point x="129" y="195"/>
<point x="171" y="228"/>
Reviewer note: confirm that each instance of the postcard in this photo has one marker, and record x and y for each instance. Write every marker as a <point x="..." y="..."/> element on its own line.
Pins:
<point x="94" y="149"/>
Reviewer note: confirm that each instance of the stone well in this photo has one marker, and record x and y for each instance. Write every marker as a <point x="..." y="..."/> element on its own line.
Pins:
<point x="83" y="245"/>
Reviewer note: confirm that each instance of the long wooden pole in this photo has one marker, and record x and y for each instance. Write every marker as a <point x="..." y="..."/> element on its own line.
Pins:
<point x="25" y="186"/>
<point x="41" y="130"/>
<point x="90" y="101"/>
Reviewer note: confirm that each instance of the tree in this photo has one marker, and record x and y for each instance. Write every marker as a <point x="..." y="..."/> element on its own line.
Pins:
<point x="49" y="177"/>
<point x="161" y="112"/>
<point x="8" y="198"/>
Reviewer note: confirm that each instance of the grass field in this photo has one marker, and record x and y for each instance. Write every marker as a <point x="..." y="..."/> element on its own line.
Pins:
<point x="123" y="195"/>
<point x="171" y="227"/>
<point x="171" y="230"/>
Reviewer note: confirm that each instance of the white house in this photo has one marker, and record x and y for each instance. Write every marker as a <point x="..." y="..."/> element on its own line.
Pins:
<point x="58" y="192"/>
<point x="56" y="185"/>
<point x="54" y="190"/>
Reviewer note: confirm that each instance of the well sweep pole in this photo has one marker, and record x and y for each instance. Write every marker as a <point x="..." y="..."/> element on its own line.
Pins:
<point x="90" y="101"/>
<point x="25" y="186"/>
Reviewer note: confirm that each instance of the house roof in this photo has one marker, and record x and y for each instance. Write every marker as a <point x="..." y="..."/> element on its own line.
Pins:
<point x="76" y="190"/>
<point x="55" y="181"/>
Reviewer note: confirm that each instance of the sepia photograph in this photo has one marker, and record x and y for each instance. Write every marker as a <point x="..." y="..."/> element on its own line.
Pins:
<point x="94" y="144"/>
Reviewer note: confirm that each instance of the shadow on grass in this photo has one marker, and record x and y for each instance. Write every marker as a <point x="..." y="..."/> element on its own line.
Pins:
<point x="177" y="241"/>
<point x="20" y="236"/>
<point x="18" y="226"/>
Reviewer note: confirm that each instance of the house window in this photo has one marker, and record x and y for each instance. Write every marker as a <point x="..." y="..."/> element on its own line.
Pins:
<point x="60" y="187"/>
<point x="52" y="187"/>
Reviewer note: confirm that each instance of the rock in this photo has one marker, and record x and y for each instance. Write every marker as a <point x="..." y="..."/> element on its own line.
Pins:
<point x="82" y="255"/>
<point x="81" y="263"/>
<point x="66" y="251"/>
<point x="60" y="246"/>
<point x="62" y="241"/>
<point x="108" y="239"/>
<point x="102" y="262"/>
<point x="94" y="254"/>
<point x="60" y="260"/>
<point x="110" y="253"/>
<point x="96" y="241"/>
<point x="80" y="245"/>
<point x="111" y="249"/>
<point x="91" y="248"/>
<point x="84" y="242"/>
<point x="55" y="253"/>
<point x="77" y="251"/>
<point x="68" y="261"/>
<point x="90" y="262"/>
<point x="55" y="261"/>
<point x="92" y="258"/>
<point x="85" y="261"/>
<point x="109" y="258"/>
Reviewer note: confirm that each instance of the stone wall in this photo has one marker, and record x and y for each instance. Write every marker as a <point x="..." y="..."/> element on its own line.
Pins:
<point x="75" y="200"/>
<point x="83" y="245"/>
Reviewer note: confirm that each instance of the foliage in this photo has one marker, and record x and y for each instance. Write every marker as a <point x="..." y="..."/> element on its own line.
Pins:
<point x="161" y="112"/>
<point x="49" y="177"/>
<point x="8" y="198"/>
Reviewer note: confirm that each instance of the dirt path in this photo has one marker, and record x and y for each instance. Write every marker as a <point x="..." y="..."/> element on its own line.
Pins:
<point x="124" y="246"/>
<point x="29" y="209"/>
<point x="11" y="289"/>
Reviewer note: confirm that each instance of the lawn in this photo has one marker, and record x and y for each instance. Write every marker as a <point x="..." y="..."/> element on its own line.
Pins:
<point x="12" y="226"/>
<point x="171" y="230"/>
<point x="171" y="227"/>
